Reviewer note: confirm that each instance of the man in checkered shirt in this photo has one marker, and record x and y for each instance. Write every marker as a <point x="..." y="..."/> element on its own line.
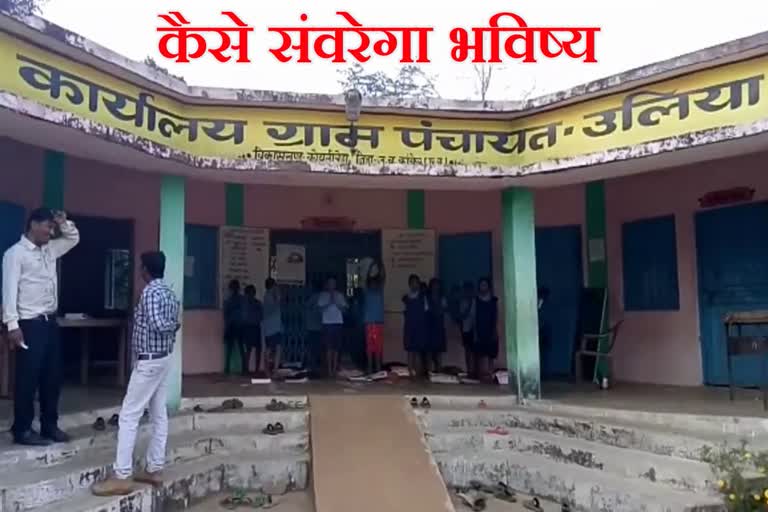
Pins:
<point x="156" y="321"/>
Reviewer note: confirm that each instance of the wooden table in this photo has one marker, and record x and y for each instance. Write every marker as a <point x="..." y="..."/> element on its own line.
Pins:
<point x="737" y="345"/>
<point x="85" y="326"/>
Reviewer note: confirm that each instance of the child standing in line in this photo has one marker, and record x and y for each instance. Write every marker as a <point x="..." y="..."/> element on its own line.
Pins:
<point x="436" y="336"/>
<point x="272" y="326"/>
<point x="467" y="326"/>
<point x="232" y="324"/>
<point x="332" y="305"/>
<point x="373" y="317"/>
<point x="252" y="315"/>
<point x="486" y="333"/>
<point x="415" y="324"/>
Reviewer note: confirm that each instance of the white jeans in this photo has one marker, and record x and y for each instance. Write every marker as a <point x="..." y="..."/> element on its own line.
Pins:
<point x="148" y="386"/>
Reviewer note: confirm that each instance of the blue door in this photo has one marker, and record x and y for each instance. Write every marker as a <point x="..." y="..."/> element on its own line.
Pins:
<point x="11" y="227"/>
<point x="464" y="257"/>
<point x="732" y="257"/>
<point x="559" y="269"/>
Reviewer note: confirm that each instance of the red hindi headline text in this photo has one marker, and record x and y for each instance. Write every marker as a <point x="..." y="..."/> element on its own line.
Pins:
<point x="507" y="36"/>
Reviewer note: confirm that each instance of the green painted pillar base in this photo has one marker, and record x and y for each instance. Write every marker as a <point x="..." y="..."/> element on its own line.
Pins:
<point x="597" y="268"/>
<point x="235" y="216"/>
<point x="54" y="179"/>
<point x="172" y="243"/>
<point x="520" y="296"/>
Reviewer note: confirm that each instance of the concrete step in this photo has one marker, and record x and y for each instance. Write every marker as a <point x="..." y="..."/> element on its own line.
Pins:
<point x="85" y="418"/>
<point x="642" y="437"/>
<point x="185" y="484"/>
<point x="466" y="402"/>
<point x="85" y="438"/>
<point x="37" y="487"/>
<point x="684" y="474"/>
<point x="586" y="489"/>
<point x="744" y="426"/>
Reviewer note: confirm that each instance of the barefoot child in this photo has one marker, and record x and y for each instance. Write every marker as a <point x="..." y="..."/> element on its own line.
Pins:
<point x="415" y="325"/>
<point x="373" y="317"/>
<point x="486" y="334"/>
<point x="272" y="327"/>
<point x="332" y="305"/>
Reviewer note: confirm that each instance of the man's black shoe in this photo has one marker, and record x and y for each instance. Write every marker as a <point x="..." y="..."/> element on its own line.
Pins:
<point x="31" y="438"/>
<point x="56" y="435"/>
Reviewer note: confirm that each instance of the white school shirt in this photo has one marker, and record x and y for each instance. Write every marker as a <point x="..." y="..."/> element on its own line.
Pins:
<point x="331" y="307"/>
<point x="30" y="282"/>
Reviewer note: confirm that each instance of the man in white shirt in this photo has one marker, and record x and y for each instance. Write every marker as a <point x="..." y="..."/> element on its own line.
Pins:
<point x="30" y="303"/>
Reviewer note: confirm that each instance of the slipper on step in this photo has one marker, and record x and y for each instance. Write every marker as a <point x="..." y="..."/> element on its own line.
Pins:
<point x="473" y="501"/>
<point x="498" y="431"/>
<point x="262" y="501"/>
<point x="482" y="405"/>
<point x="99" y="424"/>
<point x="198" y="408"/>
<point x="533" y="505"/>
<point x="275" y="406"/>
<point x="269" y="430"/>
<point x="279" y="428"/>
<point x="414" y="402"/>
<point x="505" y="493"/>
<point x="114" y="420"/>
<point x="565" y="507"/>
<point x="425" y="403"/>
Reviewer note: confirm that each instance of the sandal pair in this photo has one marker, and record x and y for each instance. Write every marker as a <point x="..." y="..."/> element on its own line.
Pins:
<point x="425" y="404"/>
<point x="231" y="404"/>
<point x="101" y="425"/>
<point x="241" y="500"/>
<point x="274" y="429"/>
<point x="276" y="406"/>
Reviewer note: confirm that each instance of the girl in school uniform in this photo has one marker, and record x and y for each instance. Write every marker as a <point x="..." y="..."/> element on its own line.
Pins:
<point x="486" y="331"/>
<point x="415" y="324"/>
<point x="436" y="336"/>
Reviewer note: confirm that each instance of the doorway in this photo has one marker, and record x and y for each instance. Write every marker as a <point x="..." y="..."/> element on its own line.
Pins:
<point x="96" y="279"/>
<point x="328" y="254"/>
<point x="559" y="270"/>
<point x="732" y="259"/>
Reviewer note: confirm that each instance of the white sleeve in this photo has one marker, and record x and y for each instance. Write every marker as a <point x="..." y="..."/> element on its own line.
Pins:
<point x="70" y="237"/>
<point x="11" y="277"/>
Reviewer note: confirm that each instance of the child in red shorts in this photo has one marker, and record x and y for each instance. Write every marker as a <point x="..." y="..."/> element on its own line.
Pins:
<point x="373" y="317"/>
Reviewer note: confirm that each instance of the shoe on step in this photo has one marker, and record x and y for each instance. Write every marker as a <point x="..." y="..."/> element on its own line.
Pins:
<point x="154" y="479"/>
<point x="56" y="435"/>
<point x="113" y="487"/>
<point x="31" y="438"/>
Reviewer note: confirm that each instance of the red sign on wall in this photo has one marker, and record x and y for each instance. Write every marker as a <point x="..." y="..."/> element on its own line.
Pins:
<point x="328" y="223"/>
<point x="727" y="196"/>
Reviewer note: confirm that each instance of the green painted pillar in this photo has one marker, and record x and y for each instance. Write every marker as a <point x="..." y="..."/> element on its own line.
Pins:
<point x="520" y="297"/>
<point x="417" y="216"/>
<point x="597" y="262"/>
<point x="53" y="179"/>
<point x="234" y="216"/>
<point x="172" y="243"/>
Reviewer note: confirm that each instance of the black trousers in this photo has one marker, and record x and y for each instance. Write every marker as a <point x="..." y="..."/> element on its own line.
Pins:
<point x="38" y="371"/>
<point x="251" y="340"/>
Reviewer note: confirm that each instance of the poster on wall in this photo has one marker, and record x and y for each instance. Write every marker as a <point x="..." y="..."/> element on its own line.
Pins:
<point x="291" y="264"/>
<point x="405" y="252"/>
<point x="244" y="255"/>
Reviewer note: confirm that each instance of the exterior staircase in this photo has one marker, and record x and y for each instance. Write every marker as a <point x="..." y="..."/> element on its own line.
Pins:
<point x="208" y="453"/>
<point x="593" y="459"/>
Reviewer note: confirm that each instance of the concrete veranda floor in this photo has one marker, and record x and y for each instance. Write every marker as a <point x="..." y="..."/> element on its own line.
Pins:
<point x="644" y="397"/>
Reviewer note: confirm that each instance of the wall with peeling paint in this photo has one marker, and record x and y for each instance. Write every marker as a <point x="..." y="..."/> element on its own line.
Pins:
<point x="663" y="347"/>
